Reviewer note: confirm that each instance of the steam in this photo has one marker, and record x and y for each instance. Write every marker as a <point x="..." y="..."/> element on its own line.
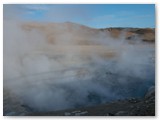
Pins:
<point x="55" y="66"/>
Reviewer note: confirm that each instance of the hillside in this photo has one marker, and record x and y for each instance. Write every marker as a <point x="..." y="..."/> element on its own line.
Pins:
<point x="81" y="32"/>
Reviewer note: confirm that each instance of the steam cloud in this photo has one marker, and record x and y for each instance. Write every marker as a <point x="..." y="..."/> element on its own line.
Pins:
<point x="65" y="65"/>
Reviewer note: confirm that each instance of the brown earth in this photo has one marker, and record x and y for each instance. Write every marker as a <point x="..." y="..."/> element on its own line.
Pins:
<point x="82" y="34"/>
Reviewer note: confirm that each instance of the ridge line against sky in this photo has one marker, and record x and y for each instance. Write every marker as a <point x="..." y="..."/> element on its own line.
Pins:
<point x="92" y="15"/>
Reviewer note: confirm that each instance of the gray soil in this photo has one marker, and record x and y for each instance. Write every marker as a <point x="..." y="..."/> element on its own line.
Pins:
<point x="128" y="107"/>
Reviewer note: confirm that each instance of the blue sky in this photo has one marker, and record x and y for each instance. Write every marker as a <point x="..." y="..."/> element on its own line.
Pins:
<point x="93" y="15"/>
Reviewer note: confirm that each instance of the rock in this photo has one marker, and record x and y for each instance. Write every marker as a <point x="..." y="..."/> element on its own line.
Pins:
<point x="121" y="113"/>
<point x="67" y="113"/>
<point x="81" y="113"/>
<point x="133" y="100"/>
<point x="150" y="93"/>
<point x="11" y="114"/>
<point x="131" y="106"/>
<point x="76" y="111"/>
<point x="110" y="114"/>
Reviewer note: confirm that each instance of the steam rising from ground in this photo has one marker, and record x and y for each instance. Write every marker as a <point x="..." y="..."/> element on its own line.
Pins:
<point x="65" y="65"/>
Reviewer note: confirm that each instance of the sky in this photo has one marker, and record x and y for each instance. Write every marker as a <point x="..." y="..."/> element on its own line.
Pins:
<point x="92" y="15"/>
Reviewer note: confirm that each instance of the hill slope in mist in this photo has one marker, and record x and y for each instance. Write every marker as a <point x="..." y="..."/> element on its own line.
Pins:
<point x="80" y="33"/>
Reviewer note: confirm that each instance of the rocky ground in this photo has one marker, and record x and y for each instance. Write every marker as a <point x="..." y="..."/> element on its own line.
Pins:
<point x="127" y="107"/>
<point x="146" y="34"/>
